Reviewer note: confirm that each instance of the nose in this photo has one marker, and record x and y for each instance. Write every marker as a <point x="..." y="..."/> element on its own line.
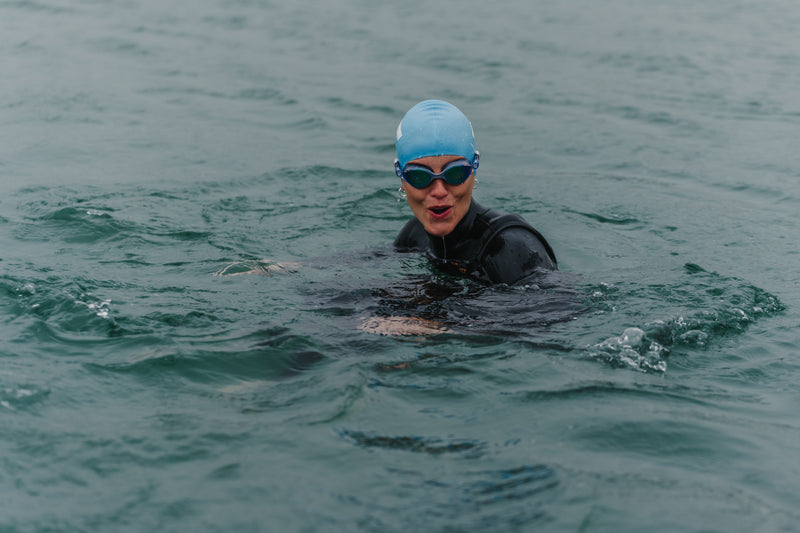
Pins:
<point x="438" y="189"/>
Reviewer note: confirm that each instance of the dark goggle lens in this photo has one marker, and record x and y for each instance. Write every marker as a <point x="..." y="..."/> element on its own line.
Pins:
<point x="454" y="175"/>
<point x="418" y="178"/>
<point x="457" y="175"/>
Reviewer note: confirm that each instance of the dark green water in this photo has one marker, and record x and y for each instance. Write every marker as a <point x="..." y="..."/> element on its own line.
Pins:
<point x="650" y="385"/>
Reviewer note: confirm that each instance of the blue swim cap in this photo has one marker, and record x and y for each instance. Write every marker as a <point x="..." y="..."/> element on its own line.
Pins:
<point x="434" y="127"/>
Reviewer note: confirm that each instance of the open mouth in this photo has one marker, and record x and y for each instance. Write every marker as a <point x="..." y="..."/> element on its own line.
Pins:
<point x="439" y="210"/>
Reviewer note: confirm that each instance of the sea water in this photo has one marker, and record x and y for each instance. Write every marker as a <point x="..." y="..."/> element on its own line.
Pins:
<point x="148" y="147"/>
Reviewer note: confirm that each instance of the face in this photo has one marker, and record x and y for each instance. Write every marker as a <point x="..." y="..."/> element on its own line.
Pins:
<point x="439" y="206"/>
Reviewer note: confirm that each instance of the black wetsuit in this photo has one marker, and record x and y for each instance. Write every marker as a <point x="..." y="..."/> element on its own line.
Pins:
<point x="486" y="245"/>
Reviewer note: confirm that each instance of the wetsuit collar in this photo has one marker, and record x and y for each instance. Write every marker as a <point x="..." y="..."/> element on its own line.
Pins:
<point x="447" y="247"/>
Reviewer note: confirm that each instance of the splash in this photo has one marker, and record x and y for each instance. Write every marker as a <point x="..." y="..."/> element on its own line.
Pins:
<point x="102" y="308"/>
<point x="705" y="307"/>
<point x="632" y="349"/>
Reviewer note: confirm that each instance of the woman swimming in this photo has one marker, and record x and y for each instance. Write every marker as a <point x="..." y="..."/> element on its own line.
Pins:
<point x="436" y="162"/>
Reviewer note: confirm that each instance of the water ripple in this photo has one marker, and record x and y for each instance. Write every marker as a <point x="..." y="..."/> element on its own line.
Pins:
<point x="432" y="446"/>
<point x="22" y="396"/>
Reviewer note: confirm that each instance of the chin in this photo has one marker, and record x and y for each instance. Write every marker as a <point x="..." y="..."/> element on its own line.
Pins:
<point x="439" y="230"/>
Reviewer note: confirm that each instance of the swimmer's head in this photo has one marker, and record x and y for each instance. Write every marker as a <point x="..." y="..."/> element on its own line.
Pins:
<point x="433" y="128"/>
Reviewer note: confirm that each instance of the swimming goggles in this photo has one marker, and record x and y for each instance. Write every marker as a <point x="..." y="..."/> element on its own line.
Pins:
<point x="454" y="173"/>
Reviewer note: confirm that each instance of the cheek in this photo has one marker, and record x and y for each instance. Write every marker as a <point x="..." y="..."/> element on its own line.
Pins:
<point x="414" y="197"/>
<point x="465" y="197"/>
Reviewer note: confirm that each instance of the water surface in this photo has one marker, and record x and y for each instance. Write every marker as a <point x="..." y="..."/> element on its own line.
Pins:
<point x="648" y="385"/>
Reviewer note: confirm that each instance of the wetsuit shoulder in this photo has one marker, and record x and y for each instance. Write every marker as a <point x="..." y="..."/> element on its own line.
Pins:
<point x="412" y="238"/>
<point x="515" y="252"/>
